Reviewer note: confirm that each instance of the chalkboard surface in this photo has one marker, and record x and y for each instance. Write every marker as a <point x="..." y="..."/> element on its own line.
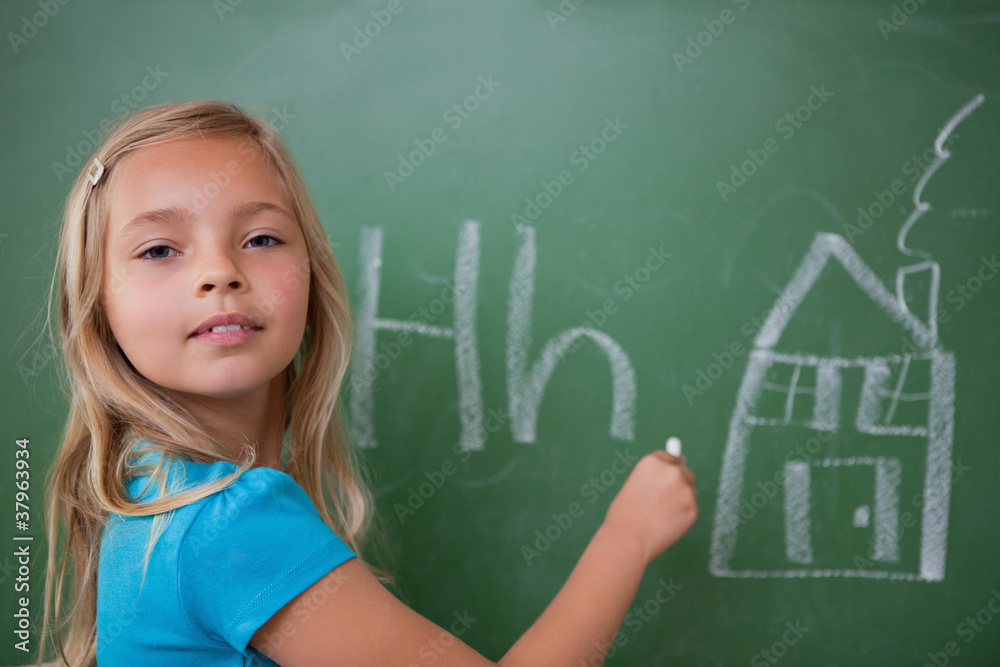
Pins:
<point x="573" y="229"/>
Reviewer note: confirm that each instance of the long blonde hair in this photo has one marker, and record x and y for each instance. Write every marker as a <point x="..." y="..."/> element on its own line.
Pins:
<point x="112" y="406"/>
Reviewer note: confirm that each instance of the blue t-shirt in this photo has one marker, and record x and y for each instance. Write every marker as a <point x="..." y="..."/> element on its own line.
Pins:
<point x="221" y="568"/>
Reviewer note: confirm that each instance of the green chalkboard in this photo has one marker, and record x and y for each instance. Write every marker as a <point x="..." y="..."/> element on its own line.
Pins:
<point x="573" y="229"/>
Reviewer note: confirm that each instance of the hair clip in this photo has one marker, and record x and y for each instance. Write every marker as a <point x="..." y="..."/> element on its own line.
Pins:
<point x="95" y="173"/>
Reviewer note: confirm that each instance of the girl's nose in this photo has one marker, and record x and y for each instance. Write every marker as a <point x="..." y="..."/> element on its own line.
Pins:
<point x="219" y="270"/>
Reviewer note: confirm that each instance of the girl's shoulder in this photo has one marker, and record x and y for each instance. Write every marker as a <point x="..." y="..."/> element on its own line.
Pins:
<point x="183" y="474"/>
<point x="251" y="505"/>
<point x="223" y="564"/>
<point x="261" y="511"/>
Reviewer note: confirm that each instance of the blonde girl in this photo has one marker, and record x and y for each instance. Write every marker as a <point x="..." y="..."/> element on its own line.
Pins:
<point x="205" y="506"/>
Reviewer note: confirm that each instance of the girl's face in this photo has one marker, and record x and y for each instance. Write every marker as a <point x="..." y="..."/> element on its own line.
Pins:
<point x="200" y="228"/>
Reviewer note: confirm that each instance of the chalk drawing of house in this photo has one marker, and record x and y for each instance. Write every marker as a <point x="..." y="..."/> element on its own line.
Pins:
<point x="795" y="391"/>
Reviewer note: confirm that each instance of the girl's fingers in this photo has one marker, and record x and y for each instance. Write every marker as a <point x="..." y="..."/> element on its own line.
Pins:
<point x="669" y="458"/>
<point x="678" y="461"/>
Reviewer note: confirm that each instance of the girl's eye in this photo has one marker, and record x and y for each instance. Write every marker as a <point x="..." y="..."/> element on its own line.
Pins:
<point x="264" y="236"/>
<point x="156" y="255"/>
<point x="155" y="248"/>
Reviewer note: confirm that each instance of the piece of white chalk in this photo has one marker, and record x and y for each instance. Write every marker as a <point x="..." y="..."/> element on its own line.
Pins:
<point x="674" y="446"/>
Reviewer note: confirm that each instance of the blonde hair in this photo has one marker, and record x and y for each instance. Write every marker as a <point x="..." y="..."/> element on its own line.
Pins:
<point x="113" y="407"/>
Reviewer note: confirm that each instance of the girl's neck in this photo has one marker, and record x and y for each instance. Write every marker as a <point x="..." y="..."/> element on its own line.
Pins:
<point x="257" y="417"/>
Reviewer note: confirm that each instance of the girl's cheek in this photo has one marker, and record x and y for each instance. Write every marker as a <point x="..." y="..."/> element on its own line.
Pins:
<point x="296" y="275"/>
<point x="116" y="282"/>
<point x="286" y="297"/>
<point x="279" y="296"/>
<point x="275" y="298"/>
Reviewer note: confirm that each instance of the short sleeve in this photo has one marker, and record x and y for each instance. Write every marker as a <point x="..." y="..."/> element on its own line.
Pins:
<point x="251" y="549"/>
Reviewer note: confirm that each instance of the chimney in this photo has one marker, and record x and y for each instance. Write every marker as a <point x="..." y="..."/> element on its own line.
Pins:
<point x="917" y="288"/>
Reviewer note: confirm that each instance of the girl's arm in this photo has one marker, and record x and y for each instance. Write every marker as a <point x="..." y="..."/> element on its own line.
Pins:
<point x="349" y="618"/>
<point x="654" y="508"/>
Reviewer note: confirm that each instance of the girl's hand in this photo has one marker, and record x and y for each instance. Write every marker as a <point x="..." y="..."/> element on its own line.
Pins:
<point x="348" y="618"/>
<point x="656" y="505"/>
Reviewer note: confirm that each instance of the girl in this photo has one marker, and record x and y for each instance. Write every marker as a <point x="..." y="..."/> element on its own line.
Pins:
<point x="211" y="504"/>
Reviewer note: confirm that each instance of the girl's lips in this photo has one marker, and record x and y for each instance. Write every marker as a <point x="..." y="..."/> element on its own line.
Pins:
<point x="227" y="337"/>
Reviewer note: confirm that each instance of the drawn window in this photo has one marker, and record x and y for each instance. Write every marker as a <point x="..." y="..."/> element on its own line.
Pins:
<point x="804" y="391"/>
<point x="895" y="396"/>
